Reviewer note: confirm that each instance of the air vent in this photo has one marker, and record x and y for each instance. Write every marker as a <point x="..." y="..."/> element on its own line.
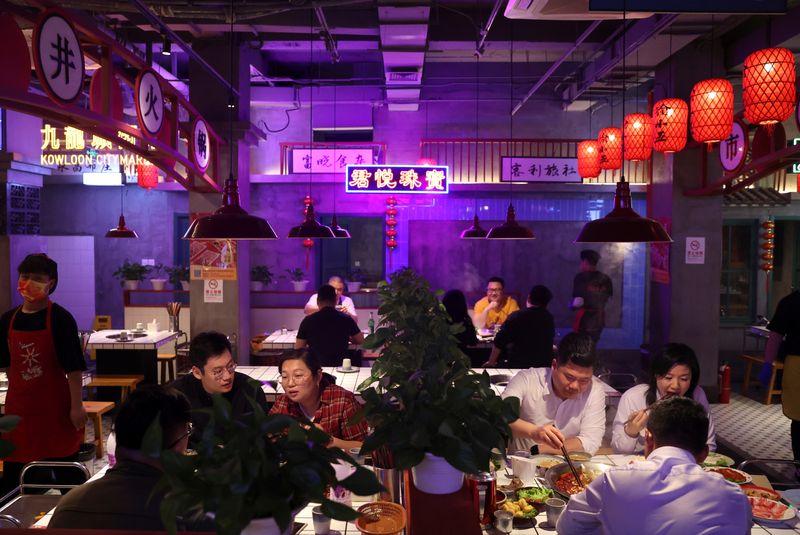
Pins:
<point x="403" y="76"/>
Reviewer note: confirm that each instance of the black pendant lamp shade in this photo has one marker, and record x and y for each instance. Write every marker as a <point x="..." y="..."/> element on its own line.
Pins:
<point x="623" y="224"/>
<point x="230" y="221"/>
<point x="121" y="231"/>
<point x="510" y="229"/>
<point x="338" y="232"/>
<point x="475" y="232"/>
<point x="310" y="227"/>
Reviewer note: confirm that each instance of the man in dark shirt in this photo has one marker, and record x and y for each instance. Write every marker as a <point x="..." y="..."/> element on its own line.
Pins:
<point x="123" y="499"/>
<point x="526" y="337"/>
<point x="591" y="290"/>
<point x="328" y="332"/>
<point x="214" y="372"/>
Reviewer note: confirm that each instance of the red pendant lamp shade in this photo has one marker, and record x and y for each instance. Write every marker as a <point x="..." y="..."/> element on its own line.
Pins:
<point x="670" y="118"/>
<point x="768" y="86"/>
<point x="712" y="110"/>
<point x="638" y="136"/>
<point x="610" y="140"/>
<point x="589" y="159"/>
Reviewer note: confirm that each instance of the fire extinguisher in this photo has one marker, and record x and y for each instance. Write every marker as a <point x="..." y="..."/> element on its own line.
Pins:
<point x="725" y="383"/>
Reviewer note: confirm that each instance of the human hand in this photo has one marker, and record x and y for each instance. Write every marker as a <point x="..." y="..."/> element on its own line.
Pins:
<point x="577" y="302"/>
<point x="636" y="422"/>
<point x="765" y="374"/>
<point x="549" y="435"/>
<point x="77" y="416"/>
<point x="492" y="304"/>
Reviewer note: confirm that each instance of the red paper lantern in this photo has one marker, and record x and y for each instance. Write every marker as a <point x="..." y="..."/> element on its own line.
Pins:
<point x="391" y="212"/>
<point x="670" y="118"/>
<point x="638" y="129"/>
<point x="308" y="243"/>
<point x="610" y="140"/>
<point x="391" y="243"/>
<point x="391" y="222"/>
<point x="147" y="175"/>
<point x="589" y="159"/>
<point x="712" y="110"/>
<point x="768" y="86"/>
<point x="391" y="233"/>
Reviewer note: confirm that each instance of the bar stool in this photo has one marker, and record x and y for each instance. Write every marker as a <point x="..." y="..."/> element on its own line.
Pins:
<point x="167" y="367"/>
<point x="95" y="410"/>
<point x="127" y="384"/>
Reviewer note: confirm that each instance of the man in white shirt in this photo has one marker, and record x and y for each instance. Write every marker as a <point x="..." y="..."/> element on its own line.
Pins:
<point x="669" y="493"/>
<point x="343" y="303"/>
<point x="563" y="404"/>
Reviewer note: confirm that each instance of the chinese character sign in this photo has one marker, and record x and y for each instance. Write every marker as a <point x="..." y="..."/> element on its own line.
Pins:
<point x="149" y="102"/>
<point x="540" y="170"/>
<point x="328" y="160"/>
<point x="58" y="57"/>
<point x="397" y="179"/>
<point x="733" y="149"/>
<point x="200" y="149"/>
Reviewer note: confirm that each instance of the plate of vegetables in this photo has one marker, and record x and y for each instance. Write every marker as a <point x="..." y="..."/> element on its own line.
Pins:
<point x="717" y="459"/>
<point x="534" y="495"/>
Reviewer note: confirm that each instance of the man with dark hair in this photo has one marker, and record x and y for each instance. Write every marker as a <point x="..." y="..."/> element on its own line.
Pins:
<point x="41" y="352"/>
<point x="526" y="337"/>
<point x="214" y="372"/>
<point x="328" y="332"/>
<point x="667" y="494"/>
<point x="493" y="309"/>
<point x="123" y="498"/>
<point x="342" y="303"/>
<point x="564" y="404"/>
<point x="591" y="290"/>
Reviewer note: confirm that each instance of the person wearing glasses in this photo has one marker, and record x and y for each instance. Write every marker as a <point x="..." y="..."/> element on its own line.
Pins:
<point x="491" y="311"/>
<point x="214" y="372"/>
<point x="311" y="396"/>
<point x="123" y="498"/>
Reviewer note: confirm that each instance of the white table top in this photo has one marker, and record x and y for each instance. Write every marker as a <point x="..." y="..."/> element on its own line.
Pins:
<point x="285" y="340"/>
<point x="152" y="340"/>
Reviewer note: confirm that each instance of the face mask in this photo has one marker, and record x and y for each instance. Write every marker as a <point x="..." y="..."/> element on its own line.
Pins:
<point x="33" y="291"/>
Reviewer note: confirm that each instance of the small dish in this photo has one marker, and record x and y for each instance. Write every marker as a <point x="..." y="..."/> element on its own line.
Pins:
<point x="351" y="370"/>
<point x="381" y="518"/>
<point x="769" y="512"/>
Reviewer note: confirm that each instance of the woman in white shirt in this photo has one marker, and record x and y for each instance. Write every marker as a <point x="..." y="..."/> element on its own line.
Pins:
<point x="673" y="372"/>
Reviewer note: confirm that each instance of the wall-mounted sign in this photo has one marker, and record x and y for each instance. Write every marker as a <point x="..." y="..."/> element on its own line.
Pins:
<point x="733" y="151"/>
<point x="58" y="57"/>
<point x="397" y="179"/>
<point x="149" y="102"/>
<point x="695" y="250"/>
<point x="540" y="170"/>
<point x="212" y="291"/>
<point x="305" y="160"/>
<point x="199" y="144"/>
<point x="795" y="167"/>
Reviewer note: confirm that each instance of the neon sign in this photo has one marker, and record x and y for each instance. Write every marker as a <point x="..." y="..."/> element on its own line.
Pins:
<point x="397" y="179"/>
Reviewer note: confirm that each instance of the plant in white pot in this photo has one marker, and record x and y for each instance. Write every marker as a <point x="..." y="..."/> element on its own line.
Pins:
<point x="427" y="407"/>
<point x="130" y="274"/>
<point x="355" y="279"/>
<point x="158" y="281"/>
<point x="297" y="276"/>
<point x="254" y="474"/>
<point x="260" y="276"/>
<point x="179" y="277"/>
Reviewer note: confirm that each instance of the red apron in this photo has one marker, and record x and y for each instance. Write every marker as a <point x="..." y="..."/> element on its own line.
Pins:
<point x="38" y="392"/>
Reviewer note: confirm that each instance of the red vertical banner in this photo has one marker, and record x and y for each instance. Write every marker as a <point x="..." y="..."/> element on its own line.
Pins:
<point x="391" y="230"/>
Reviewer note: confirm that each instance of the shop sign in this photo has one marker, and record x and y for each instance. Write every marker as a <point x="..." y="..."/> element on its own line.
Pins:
<point x="540" y="170"/>
<point x="149" y="102"/>
<point x="733" y="150"/>
<point x="199" y="144"/>
<point x="695" y="250"/>
<point x="328" y="160"/>
<point x="58" y="57"/>
<point x="795" y="167"/>
<point x="397" y="179"/>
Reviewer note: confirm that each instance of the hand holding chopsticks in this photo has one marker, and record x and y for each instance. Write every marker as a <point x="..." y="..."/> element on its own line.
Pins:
<point x="636" y="422"/>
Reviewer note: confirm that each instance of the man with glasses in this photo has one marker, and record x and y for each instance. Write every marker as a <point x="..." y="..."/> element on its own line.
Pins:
<point x="214" y="372"/>
<point x="491" y="311"/>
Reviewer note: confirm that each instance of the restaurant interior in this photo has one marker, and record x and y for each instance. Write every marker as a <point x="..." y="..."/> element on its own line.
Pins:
<point x="499" y="97"/>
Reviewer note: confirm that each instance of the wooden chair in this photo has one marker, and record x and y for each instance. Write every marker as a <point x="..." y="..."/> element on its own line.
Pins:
<point x="95" y="410"/>
<point x="167" y="367"/>
<point x="127" y="384"/>
<point x="759" y="359"/>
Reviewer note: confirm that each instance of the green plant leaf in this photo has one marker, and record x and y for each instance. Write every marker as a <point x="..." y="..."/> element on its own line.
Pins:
<point x="362" y="482"/>
<point x="338" y="511"/>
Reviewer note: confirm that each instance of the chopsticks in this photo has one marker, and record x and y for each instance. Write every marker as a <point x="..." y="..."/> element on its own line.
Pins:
<point x="572" y="467"/>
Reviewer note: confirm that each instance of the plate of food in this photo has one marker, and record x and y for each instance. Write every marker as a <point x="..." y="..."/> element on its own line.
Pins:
<point x="534" y="495"/>
<point x="520" y="508"/>
<point x="718" y="459"/>
<point x="731" y="474"/>
<point x="755" y="491"/>
<point x="561" y="480"/>
<point x="771" y="512"/>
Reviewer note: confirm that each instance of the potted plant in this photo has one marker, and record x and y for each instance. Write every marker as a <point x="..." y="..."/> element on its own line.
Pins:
<point x="260" y="276"/>
<point x="253" y="472"/>
<point x="157" y="281"/>
<point x="355" y="279"/>
<point x="296" y="276"/>
<point x="179" y="277"/>
<point x="130" y="274"/>
<point x="427" y="407"/>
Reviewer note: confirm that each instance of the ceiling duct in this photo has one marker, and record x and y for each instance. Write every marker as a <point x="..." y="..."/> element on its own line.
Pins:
<point x="404" y="37"/>
<point x="404" y="75"/>
<point x="561" y="10"/>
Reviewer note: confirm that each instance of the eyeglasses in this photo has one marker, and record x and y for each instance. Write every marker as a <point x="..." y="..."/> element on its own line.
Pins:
<point x="217" y="373"/>
<point x="494" y="290"/>
<point x="188" y="433"/>
<point x="298" y="379"/>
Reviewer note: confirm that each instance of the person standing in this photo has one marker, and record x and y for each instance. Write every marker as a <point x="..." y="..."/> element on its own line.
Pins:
<point x="493" y="309"/>
<point x="591" y="290"/>
<point x="328" y="332"/>
<point x="41" y="352"/>
<point x="342" y="302"/>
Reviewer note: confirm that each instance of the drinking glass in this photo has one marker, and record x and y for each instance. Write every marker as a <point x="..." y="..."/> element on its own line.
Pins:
<point x="503" y="521"/>
<point x="322" y="523"/>
<point x="555" y="506"/>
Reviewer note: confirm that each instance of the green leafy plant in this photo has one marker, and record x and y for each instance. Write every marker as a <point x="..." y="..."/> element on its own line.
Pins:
<point x="422" y="395"/>
<point x="157" y="270"/>
<point x="261" y="274"/>
<point x="357" y="275"/>
<point x="131" y="271"/>
<point x="296" y="274"/>
<point x="258" y="466"/>
<point x="177" y="274"/>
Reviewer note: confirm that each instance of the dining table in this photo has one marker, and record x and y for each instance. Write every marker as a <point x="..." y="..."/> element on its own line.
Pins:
<point x="134" y="355"/>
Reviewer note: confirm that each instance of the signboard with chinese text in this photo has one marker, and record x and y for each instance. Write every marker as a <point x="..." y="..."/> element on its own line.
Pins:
<point x="58" y="57"/>
<point x="397" y="179"/>
<point x="199" y="143"/>
<point x="211" y="259"/>
<point x="149" y="102"/>
<point x="695" y="250"/>
<point x="733" y="150"/>
<point x="540" y="170"/>
<point x="795" y="167"/>
<point x="212" y="291"/>
<point x="305" y="160"/>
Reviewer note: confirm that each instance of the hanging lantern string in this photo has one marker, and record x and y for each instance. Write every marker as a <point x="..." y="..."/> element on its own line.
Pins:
<point x="310" y="96"/>
<point x="477" y="105"/>
<point x="511" y="116"/>
<point x="231" y="102"/>
<point x="624" y="86"/>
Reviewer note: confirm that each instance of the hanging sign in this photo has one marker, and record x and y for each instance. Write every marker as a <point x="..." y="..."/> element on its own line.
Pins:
<point x="211" y="259"/>
<point x="199" y="144"/>
<point x="58" y="57"/>
<point x="397" y="179"/>
<point x="695" y="250"/>
<point x="733" y="150"/>
<point x="149" y="102"/>
<point x="212" y="291"/>
<point x="328" y="160"/>
<point x="540" y="170"/>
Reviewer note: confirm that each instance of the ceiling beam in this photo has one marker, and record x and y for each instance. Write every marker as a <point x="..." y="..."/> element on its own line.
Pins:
<point x="773" y="31"/>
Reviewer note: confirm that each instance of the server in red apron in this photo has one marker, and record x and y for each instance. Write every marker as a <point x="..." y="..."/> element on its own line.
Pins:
<point x="41" y="352"/>
<point x="591" y="290"/>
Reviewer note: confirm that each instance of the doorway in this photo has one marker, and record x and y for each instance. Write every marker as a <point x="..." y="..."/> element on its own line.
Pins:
<point x="364" y="250"/>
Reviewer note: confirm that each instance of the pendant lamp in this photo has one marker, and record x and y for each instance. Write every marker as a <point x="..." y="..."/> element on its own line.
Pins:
<point x="622" y="224"/>
<point x="768" y="86"/>
<point x="338" y="232"/>
<point x="638" y="135"/>
<point x="670" y="119"/>
<point x="121" y="231"/>
<point x="589" y="159"/>
<point x="510" y="229"/>
<point x="310" y="227"/>
<point x="474" y="232"/>
<point x="610" y="141"/>
<point x="230" y="221"/>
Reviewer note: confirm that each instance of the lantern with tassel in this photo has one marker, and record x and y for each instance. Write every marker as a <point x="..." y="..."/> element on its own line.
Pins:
<point x="610" y="141"/>
<point x="712" y="110"/>
<point x="670" y="118"/>
<point x="589" y="159"/>
<point x="768" y="244"/>
<point x="391" y="223"/>
<point x="147" y="175"/>
<point x="638" y="136"/>
<point x="768" y="86"/>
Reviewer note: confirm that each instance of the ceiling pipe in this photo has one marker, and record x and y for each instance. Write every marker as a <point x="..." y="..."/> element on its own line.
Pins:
<point x="556" y="64"/>
<point x="166" y="30"/>
<point x="484" y="32"/>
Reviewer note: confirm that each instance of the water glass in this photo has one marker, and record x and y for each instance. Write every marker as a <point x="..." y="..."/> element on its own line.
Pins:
<point x="555" y="506"/>
<point x="503" y="521"/>
<point x="322" y="524"/>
